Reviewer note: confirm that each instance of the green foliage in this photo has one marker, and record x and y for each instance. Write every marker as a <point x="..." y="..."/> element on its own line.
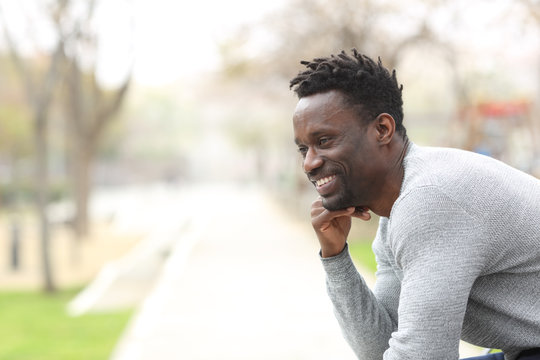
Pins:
<point x="10" y="194"/>
<point x="361" y="251"/>
<point x="24" y="192"/>
<point x="35" y="326"/>
<point x="15" y="129"/>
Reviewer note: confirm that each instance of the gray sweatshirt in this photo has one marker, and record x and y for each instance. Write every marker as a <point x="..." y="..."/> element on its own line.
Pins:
<point x="459" y="257"/>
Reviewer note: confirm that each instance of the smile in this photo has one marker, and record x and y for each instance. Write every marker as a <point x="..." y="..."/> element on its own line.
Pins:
<point x="324" y="180"/>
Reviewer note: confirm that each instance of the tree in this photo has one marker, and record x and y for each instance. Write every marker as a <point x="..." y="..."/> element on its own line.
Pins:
<point x="38" y="87"/>
<point x="89" y="106"/>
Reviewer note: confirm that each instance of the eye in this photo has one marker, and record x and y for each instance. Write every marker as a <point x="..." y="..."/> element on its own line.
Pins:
<point x="302" y="150"/>
<point x="323" y="141"/>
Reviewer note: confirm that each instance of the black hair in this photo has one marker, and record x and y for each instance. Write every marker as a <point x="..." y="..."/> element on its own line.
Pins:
<point x="363" y="81"/>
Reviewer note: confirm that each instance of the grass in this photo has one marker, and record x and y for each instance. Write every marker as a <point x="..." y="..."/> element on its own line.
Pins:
<point x="35" y="326"/>
<point x="361" y="252"/>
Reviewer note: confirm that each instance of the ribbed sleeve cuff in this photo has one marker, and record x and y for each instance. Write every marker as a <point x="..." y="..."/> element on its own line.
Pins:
<point x="339" y="268"/>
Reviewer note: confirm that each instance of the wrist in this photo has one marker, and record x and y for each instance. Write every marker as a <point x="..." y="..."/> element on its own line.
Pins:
<point x="331" y="251"/>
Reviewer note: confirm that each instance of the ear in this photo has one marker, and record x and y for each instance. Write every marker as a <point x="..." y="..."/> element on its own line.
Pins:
<point x="385" y="125"/>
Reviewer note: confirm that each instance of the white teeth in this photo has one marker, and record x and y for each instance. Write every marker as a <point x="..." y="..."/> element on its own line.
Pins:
<point x="325" y="180"/>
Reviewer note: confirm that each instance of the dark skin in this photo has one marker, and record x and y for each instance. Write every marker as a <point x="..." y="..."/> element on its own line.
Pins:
<point x="355" y="166"/>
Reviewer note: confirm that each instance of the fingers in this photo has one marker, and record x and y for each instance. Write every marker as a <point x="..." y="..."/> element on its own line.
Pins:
<point x="318" y="210"/>
<point x="323" y="219"/>
<point x="362" y="214"/>
<point x="331" y="227"/>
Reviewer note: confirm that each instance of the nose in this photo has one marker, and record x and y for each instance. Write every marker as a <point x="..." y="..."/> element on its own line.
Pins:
<point x="312" y="161"/>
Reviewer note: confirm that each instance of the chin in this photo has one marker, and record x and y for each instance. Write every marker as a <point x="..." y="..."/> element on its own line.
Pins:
<point x="336" y="203"/>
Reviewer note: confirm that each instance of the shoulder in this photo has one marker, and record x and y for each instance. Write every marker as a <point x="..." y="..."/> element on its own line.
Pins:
<point x="428" y="199"/>
<point x="444" y="177"/>
<point x="426" y="203"/>
<point x="439" y="166"/>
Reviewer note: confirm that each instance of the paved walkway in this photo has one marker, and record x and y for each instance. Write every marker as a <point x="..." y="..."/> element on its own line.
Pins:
<point x="243" y="282"/>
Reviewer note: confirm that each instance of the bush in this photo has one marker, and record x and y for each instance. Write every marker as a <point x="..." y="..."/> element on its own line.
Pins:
<point x="24" y="193"/>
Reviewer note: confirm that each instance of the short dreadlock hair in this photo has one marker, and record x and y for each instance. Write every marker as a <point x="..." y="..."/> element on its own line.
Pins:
<point x="363" y="81"/>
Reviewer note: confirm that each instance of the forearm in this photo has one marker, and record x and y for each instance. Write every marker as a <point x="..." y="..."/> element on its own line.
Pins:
<point x="365" y="322"/>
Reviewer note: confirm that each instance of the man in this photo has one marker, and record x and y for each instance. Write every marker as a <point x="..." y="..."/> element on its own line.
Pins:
<point x="458" y="243"/>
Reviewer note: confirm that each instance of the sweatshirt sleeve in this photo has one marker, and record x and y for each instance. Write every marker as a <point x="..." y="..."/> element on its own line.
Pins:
<point x="439" y="247"/>
<point x="364" y="320"/>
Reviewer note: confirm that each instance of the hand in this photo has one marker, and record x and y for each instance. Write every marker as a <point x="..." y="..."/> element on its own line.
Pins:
<point x="332" y="227"/>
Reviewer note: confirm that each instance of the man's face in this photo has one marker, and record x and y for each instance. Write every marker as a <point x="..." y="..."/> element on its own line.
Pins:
<point x="340" y="153"/>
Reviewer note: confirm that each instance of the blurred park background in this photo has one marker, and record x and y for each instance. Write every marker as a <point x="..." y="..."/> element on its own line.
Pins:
<point x="114" y="112"/>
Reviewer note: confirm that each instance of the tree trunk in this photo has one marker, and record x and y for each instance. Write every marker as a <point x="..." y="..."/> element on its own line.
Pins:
<point x="82" y="162"/>
<point x="41" y="186"/>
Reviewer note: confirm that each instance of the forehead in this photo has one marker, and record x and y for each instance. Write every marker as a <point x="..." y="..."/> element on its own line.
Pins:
<point x="327" y="110"/>
<point x="323" y="104"/>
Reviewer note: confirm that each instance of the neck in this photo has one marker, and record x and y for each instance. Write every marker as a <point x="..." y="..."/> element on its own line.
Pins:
<point x="394" y="178"/>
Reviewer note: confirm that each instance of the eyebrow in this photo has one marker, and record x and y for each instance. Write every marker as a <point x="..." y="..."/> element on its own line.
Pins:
<point x="296" y="141"/>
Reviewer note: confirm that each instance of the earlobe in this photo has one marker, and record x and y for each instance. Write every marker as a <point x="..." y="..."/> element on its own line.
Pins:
<point x="386" y="126"/>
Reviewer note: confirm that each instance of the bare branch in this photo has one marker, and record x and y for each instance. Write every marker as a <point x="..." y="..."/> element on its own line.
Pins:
<point x="107" y="111"/>
<point x="74" y="100"/>
<point x="17" y="59"/>
<point x="51" y="78"/>
<point x="424" y="34"/>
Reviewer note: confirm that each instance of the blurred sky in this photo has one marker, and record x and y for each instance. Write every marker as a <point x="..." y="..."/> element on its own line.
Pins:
<point x="173" y="39"/>
<point x="169" y="39"/>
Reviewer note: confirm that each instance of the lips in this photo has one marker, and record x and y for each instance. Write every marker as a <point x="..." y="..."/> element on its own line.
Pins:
<point x="325" y="185"/>
<point x="324" y="181"/>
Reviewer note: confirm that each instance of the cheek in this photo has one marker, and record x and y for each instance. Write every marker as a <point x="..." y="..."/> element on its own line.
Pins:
<point x="337" y="159"/>
<point x="349" y="158"/>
